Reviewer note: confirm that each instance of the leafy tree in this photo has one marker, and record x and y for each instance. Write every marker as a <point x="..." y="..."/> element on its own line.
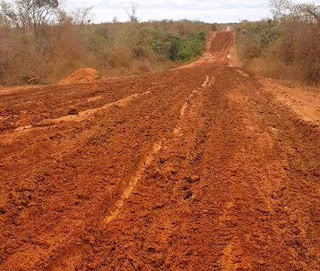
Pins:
<point x="175" y="48"/>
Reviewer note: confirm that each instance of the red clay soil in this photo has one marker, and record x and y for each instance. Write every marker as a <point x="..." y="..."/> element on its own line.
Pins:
<point x="82" y="76"/>
<point x="201" y="168"/>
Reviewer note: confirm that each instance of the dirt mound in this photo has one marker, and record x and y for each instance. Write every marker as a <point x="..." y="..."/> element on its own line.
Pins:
<point x="82" y="76"/>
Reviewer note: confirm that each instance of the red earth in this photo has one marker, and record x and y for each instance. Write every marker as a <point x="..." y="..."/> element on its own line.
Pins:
<point x="204" y="167"/>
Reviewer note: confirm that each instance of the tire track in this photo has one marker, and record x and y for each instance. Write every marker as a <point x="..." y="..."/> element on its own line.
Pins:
<point x="165" y="162"/>
<point x="149" y="158"/>
<point x="156" y="147"/>
<point x="70" y="255"/>
<point x="83" y="115"/>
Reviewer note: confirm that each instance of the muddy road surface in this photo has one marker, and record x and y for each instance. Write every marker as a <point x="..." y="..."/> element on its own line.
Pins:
<point x="200" y="168"/>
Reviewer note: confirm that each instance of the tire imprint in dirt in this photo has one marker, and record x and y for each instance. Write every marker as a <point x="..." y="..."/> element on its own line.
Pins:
<point x="299" y="147"/>
<point x="177" y="129"/>
<point x="70" y="257"/>
<point x="83" y="115"/>
<point x="233" y="255"/>
<point x="267" y="187"/>
<point x="156" y="147"/>
<point x="172" y="178"/>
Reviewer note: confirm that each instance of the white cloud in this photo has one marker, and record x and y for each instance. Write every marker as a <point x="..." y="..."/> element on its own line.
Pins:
<point x="204" y="10"/>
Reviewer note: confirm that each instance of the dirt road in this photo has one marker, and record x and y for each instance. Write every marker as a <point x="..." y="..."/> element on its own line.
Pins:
<point x="200" y="168"/>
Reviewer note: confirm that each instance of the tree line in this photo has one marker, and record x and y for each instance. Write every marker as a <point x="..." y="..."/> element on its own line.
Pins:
<point x="287" y="46"/>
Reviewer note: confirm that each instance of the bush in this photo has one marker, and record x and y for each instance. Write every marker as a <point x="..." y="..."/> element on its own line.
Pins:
<point x="54" y="51"/>
<point x="193" y="46"/>
<point x="286" y="47"/>
<point x="254" y="37"/>
<point x="179" y="48"/>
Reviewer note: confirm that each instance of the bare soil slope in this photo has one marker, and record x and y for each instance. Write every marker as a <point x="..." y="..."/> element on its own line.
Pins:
<point x="201" y="168"/>
<point x="82" y="76"/>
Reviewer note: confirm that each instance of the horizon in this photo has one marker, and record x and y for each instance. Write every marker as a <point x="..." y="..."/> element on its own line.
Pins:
<point x="226" y="11"/>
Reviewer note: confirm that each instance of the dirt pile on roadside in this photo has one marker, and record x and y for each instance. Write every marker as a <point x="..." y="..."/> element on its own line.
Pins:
<point x="82" y="76"/>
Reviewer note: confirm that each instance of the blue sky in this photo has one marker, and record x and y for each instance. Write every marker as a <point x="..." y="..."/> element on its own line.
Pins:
<point x="204" y="10"/>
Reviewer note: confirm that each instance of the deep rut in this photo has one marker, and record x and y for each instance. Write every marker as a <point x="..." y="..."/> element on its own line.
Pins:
<point x="150" y="157"/>
<point x="212" y="185"/>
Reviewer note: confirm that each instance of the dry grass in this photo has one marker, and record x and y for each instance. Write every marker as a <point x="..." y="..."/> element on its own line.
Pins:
<point x="53" y="52"/>
<point x="286" y="48"/>
<point x="273" y="68"/>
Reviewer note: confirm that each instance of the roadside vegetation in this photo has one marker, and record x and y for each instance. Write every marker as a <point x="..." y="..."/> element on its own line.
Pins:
<point x="285" y="47"/>
<point x="42" y="43"/>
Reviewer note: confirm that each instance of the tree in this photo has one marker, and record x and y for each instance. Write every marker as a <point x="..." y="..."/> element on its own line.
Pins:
<point x="7" y="16"/>
<point x="81" y="16"/>
<point x="132" y="13"/>
<point x="28" y="14"/>
<point x="280" y="8"/>
<point x="285" y="9"/>
<point x="309" y="12"/>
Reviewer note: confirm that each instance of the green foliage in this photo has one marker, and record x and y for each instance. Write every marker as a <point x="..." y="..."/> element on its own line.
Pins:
<point x="177" y="47"/>
<point x="192" y="46"/>
<point x="290" y="43"/>
<point x="112" y="48"/>
<point x="254" y="37"/>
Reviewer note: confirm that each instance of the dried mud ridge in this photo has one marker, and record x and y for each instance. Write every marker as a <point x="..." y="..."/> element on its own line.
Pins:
<point x="199" y="168"/>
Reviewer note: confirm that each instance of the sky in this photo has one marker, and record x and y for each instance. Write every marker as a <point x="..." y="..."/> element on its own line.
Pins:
<point x="221" y="11"/>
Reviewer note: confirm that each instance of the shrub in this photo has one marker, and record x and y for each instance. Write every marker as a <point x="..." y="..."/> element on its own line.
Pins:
<point x="193" y="46"/>
<point x="287" y="46"/>
<point x="254" y="37"/>
<point x="52" y="51"/>
<point x="177" y="47"/>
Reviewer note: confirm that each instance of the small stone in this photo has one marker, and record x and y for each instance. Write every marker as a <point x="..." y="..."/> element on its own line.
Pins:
<point x="158" y="206"/>
<point x="91" y="266"/>
<point x="77" y="202"/>
<point x="90" y="239"/>
<point x="155" y="175"/>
